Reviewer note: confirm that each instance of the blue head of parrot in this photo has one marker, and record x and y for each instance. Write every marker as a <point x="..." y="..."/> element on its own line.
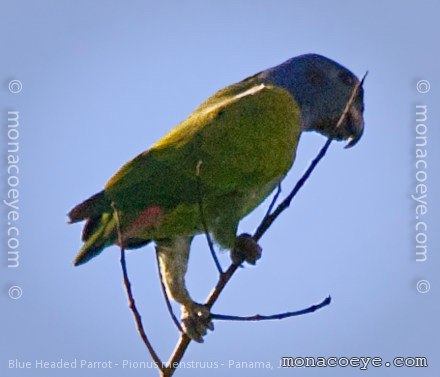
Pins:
<point x="322" y="88"/>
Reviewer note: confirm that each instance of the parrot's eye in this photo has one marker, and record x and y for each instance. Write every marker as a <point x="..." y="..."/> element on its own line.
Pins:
<point x="315" y="77"/>
<point x="346" y="78"/>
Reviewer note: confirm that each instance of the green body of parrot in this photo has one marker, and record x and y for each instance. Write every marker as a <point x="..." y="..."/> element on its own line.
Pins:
<point x="228" y="155"/>
<point x="242" y="160"/>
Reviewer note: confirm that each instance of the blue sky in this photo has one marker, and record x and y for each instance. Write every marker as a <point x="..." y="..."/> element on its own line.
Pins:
<point x="103" y="81"/>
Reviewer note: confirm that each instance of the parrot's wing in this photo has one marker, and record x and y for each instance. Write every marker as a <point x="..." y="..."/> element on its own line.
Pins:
<point x="224" y="133"/>
<point x="155" y="162"/>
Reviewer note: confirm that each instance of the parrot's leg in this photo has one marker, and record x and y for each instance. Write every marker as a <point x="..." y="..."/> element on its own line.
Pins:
<point x="246" y="249"/>
<point x="173" y="260"/>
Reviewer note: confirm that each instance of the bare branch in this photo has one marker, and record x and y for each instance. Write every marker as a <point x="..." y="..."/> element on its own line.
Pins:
<point x="132" y="304"/>
<point x="268" y="220"/>
<point x="184" y="340"/>
<point x="259" y="317"/>
<point x="274" y="201"/>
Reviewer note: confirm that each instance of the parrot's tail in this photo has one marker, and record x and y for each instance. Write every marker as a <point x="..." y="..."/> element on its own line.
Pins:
<point x="100" y="228"/>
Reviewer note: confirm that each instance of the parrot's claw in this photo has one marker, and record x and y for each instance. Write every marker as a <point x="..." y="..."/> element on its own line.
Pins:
<point x="196" y="320"/>
<point x="246" y="249"/>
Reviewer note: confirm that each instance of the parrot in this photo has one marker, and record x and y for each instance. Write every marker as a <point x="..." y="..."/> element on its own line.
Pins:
<point x="227" y="156"/>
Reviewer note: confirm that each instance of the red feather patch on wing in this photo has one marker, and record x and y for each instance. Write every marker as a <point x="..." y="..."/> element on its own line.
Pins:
<point x="150" y="217"/>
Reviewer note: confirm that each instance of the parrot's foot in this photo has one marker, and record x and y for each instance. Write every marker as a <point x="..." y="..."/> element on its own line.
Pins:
<point x="246" y="249"/>
<point x="196" y="320"/>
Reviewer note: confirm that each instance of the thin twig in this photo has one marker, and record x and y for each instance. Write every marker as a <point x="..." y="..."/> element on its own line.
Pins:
<point x="351" y="99"/>
<point x="274" y="201"/>
<point x="132" y="304"/>
<point x="167" y="299"/>
<point x="268" y="220"/>
<point x="259" y="317"/>
<point x="203" y="221"/>
<point x="184" y="340"/>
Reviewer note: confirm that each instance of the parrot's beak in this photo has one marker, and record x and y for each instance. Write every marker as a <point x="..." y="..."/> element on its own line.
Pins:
<point x="354" y="127"/>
